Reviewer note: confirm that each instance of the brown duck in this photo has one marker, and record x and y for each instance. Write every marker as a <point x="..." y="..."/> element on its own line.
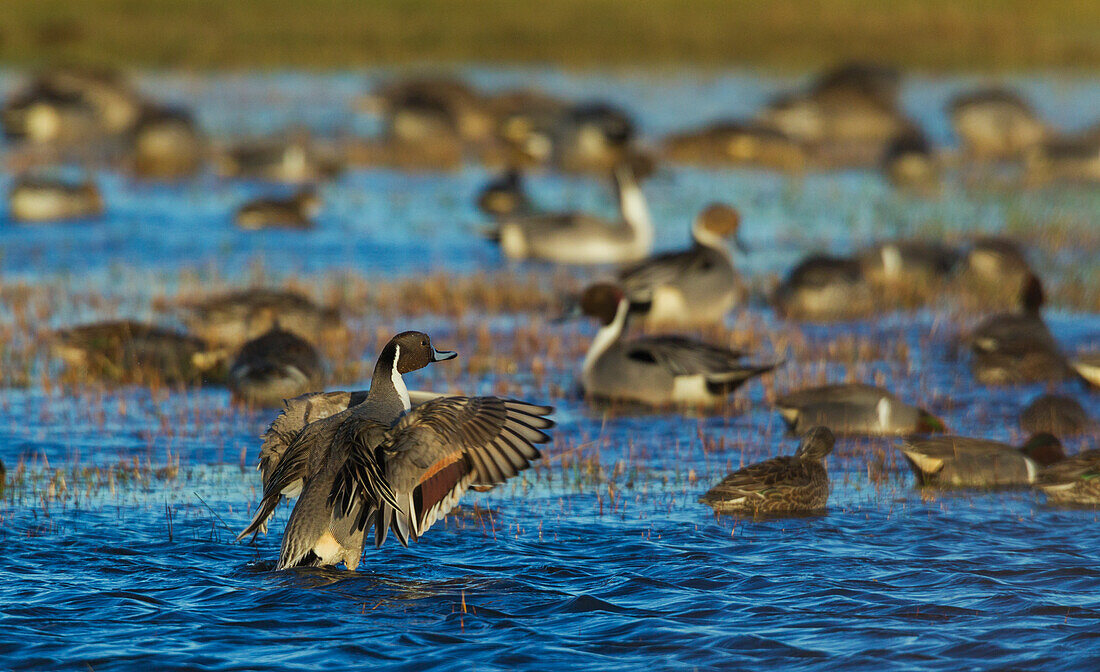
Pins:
<point x="276" y="366"/>
<point x="786" y="484"/>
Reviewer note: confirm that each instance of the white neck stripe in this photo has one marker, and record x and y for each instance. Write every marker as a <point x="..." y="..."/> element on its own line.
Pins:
<point x="708" y="238"/>
<point x="606" y="336"/>
<point x="398" y="382"/>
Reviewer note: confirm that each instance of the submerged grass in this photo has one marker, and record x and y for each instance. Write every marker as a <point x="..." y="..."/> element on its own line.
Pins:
<point x="935" y="34"/>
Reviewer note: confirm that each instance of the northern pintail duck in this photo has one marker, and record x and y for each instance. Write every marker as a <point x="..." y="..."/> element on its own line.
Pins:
<point x="909" y="163"/>
<point x="295" y="212"/>
<point x="295" y="161"/>
<point x="899" y="261"/>
<point x="997" y="269"/>
<point x="308" y="408"/>
<point x="736" y="143"/>
<point x="846" y="117"/>
<point x="854" y="409"/>
<point x="48" y="200"/>
<point x="1071" y="158"/>
<point x="824" y="288"/>
<point x="127" y="351"/>
<point x="1013" y="348"/>
<point x="423" y="108"/>
<point x="580" y="238"/>
<point x="276" y="366"/>
<point x="166" y="144"/>
<point x="593" y="136"/>
<point x="237" y="317"/>
<point x="961" y="462"/>
<point x="995" y="124"/>
<point x="71" y="105"/>
<point x="505" y="197"/>
<point x="654" y="370"/>
<point x="781" y="485"/>
<point x="45" y="116"/>
<point x="385" y="464"/>
<point x="1087" y="366"/>
<point x="1073" y="481"/>
<point x="697" y="285"/>
<point x="1055" y="414"/>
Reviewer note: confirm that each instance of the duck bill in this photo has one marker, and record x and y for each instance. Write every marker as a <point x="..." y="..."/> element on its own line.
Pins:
<point x="443" y="355"/>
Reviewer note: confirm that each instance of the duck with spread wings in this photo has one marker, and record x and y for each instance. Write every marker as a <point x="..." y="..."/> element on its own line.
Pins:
<point x="381" y="462"/>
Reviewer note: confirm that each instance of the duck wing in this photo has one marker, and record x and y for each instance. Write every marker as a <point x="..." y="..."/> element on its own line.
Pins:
<point x="437" y="451"/>
<point x="640" y="280"/>
<point x="296" y="414"/>
<point x="684" y="356"/>
<point x="297" y="460"/>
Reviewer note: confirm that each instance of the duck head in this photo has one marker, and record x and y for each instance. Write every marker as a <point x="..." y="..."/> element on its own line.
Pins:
<point x="1044" y="448"/>
<point x="601" y="301"/>
<point x="816" y="444"/>
<point x="411" y="350"/>
<point x="717" y="223"/>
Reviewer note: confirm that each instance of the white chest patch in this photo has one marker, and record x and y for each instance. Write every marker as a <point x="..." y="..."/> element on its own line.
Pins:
<point x="668" y="306"/>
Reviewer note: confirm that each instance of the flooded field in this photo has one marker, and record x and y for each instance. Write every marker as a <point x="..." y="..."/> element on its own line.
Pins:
<point x="121" y="504"/>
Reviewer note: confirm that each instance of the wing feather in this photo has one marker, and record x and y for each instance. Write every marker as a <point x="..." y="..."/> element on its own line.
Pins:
<point x="439" y="450"/>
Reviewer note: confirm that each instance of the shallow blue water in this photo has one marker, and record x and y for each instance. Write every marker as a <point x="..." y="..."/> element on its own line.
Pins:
<point x="599" y="557"/>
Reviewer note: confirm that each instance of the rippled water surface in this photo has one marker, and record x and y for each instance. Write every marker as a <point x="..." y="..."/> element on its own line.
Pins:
<point x="599" y="557"/>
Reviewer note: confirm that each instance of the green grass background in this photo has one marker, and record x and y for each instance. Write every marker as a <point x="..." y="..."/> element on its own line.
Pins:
<point x="927" y="34"/>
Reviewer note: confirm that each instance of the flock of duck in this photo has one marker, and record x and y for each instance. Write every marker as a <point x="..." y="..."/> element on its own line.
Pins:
<point x="399" y="460"/>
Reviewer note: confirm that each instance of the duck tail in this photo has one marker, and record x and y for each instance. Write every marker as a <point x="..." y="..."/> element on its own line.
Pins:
<point x="727" y="382"/>
<point x="263" y="514"/>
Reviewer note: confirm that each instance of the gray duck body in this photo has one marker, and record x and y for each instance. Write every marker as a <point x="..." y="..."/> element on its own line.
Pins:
<point x="962" y="462"/>
<point x="854" y="409"/>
